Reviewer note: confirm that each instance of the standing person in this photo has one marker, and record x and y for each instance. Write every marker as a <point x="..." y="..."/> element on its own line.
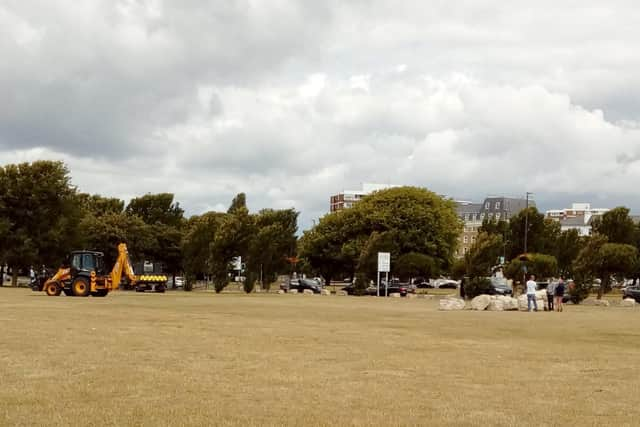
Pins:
<point x="559" y="292"/>
<point x="532" y="287"/>
<point x="551" y="294"/>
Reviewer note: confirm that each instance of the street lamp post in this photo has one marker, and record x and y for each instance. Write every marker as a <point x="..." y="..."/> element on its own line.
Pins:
<point x="526" y="232"/>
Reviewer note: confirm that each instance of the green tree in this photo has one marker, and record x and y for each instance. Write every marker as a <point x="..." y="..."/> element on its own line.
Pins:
<point x="97" y="205"/>
<point x="104" y="233"/>
<point x="568" y="245"/>
<point x="412" y="264"/>
<point x="617" y="226"/>
<point x="157" y="208"/>
<point x="542" y="265"/>
<point x="326" y="247"/>
<point x="273" y="241"/>
<point x="39" y="212"/>
<point x="541" y="236"/>
<point x="483" y="255"/>
<point x="200" y="232"/>
<point x="602" y="260"/>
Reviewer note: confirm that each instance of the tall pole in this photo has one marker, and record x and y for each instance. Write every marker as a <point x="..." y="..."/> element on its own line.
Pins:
<point x="526" y="222"/>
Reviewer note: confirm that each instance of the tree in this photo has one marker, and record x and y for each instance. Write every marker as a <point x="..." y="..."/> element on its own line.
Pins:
<point x="399" y="220"/>
<point x="104" y="233"/>
<point x="97" y="205"/>
<point x="274" y="240"/>
<point x="567" y="247"/>
<point x="323" y="246"/>
<point x="412" y="264"/>
<point x="40" y="214"/>
<point x="600" y="259"/>
<point x="616" y="226"/>
<point x="483" y="255"/>
<point x="157" y="208"/>
<point x="541" y="235"/>
<point x="200" y="231"/>
<point x="542" y="265"/>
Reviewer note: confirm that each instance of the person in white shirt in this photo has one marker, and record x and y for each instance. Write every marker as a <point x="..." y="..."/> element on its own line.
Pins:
<point x="532" y="287"/>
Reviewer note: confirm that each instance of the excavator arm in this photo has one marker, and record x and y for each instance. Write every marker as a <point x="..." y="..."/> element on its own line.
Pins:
<point x="122" y="266"/>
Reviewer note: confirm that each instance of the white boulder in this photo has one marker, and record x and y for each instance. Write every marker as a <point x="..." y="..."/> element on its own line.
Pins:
<point x="342" y="293"/>
<point x="293" y="291"/>
<point x="307" y="292"/>
<point x="602" y="303"/>
<point x="450" y="304"/>
<point x="394" y="295"/>
<point x="326" y="292"/>
<point x="481" y="302"/>
<point x="509" y="303"/>
<point x="280" y="291"/>
<point x="628" y="302"/>
<point x="495" y="305"/>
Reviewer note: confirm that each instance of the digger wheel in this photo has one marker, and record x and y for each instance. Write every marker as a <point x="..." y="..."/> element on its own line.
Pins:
<point x="52" y="289"/>
<point x="80" y="287"/>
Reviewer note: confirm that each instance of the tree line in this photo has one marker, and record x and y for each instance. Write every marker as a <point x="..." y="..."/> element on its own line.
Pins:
<point x="609" y="253"/>
<point x="43" y="217"/>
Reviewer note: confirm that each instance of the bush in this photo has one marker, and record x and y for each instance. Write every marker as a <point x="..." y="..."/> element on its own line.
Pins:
<point x="219" y="286"/>
<point x="248" y="285"/>
<point x="476" y="286"/>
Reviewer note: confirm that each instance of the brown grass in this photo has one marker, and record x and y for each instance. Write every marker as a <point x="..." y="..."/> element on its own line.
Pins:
<point x="235" y="360"/>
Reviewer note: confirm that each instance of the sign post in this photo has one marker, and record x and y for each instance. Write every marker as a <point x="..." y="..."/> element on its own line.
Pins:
<point x="384" y="266"/>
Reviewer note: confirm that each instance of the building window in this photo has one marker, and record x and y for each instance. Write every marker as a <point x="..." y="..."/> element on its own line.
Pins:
<point x="487" y="205"/>
<point x="482" y="216"/>
<point x="497" y="205"/>
<point x="466" y="239"/>
<point x="497" y="215"/>
<point x="473" y="239"/>
<point x="466" y="249"/>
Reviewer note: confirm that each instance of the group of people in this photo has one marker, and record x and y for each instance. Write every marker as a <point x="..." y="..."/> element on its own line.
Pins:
<point x="555" y="294"/>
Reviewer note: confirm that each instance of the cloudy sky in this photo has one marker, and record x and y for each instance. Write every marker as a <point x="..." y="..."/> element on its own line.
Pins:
<point x="291" y="101"/>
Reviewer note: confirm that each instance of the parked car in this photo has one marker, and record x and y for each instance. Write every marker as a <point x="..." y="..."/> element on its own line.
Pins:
<point x="422" y="283"/>
<point x="500" y="286"/>
<point x="179" y="282"/>
<point x="400" y="288"/>
<point x="445" y="284"/>
<point x="632" y="292"/>
<point x="301" y="284"/>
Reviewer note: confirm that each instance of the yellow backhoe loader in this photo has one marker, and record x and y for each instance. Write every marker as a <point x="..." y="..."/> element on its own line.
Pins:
<point x="84" y="274"/>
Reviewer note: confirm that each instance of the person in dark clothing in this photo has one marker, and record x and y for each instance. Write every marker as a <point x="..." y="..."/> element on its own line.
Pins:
<point x="551" y="287"/>
<point x="559" y="293"/>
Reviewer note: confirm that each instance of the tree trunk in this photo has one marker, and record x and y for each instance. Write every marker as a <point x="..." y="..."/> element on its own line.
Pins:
<point x="2" y="274"/>
<point x="14" y="278"/>
<point x="173" y="284"/>
<point x="602" y="287"/>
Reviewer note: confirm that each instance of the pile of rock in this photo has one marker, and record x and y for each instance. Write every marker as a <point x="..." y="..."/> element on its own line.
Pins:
<point x="628" y="302"/>
<point x="451" y="303"/>
<point x="541" y="300"/>
<point x="494" y="303"/>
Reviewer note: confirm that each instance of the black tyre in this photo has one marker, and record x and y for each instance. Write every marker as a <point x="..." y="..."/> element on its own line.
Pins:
<point x="140" y="288"/>
<point x="160" y="289"/>
<point x="52" y="289"/>
<point x="80" y="287"/>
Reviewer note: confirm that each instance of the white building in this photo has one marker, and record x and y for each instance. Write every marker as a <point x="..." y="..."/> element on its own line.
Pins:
<point x="348" y="198"/>
<point x="577" y="217"/>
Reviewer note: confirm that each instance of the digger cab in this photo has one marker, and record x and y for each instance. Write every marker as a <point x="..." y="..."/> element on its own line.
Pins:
<point x="83" y="263"/>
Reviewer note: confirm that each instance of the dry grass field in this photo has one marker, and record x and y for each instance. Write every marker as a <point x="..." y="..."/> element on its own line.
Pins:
<point x="236" y="360"/>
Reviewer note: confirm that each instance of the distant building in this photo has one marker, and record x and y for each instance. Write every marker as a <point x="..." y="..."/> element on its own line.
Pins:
<point x="348" y="198"/>
<point x="576" y="210"/>
<point x="473" y="214"/>
<point x="578" y="217"/>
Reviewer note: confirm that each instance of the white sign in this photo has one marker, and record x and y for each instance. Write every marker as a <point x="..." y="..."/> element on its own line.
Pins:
<point x="384" y="262"/>
<point x="237" y="263"/>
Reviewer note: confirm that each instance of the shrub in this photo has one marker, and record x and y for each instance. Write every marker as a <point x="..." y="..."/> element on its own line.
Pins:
<point x="188" y="283"/>
<point x="219" y="286"/>
<point x="476" y="286"/>
<point x="248" y="285"/>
